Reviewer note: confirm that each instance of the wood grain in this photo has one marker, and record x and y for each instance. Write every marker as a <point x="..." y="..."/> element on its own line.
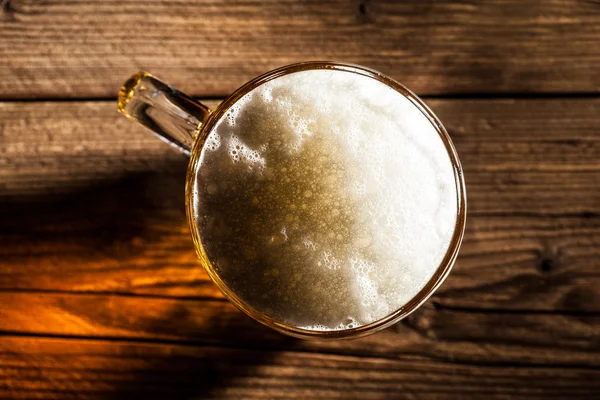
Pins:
<point x="484" y="337"/>
<point x="83" y="49"/>
<point x="102" y="295"/>
<point x="90" y="202"/>
<point x="91" y="369"/>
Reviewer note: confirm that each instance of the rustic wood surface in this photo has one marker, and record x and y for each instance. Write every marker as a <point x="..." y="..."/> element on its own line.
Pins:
<point x="58" y="48"/>
<point x="101" y="295"/>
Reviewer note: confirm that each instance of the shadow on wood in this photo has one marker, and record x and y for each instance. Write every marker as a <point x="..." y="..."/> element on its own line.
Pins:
<point x="111" y="221"/>
<point x="200" y="370"/>
<point x="111" y="225"/>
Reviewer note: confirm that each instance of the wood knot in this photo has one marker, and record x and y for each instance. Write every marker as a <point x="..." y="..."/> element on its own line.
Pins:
<point x="5" y="6"/>
<point x="7" y="10"/>
<point x="363" y="15"/>
<point x="362" y="8"/>
<point x="549" y="259"/>
<point x="547" y="264"/>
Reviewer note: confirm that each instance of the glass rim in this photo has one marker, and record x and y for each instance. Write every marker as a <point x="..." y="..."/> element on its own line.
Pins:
<point x="418" y="299"/>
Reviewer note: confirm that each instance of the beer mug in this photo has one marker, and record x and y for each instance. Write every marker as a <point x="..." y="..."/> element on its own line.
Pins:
<point x="324" y="199"/>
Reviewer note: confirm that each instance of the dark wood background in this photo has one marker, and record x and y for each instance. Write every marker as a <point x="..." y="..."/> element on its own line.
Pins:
<point x="100" y="292"/>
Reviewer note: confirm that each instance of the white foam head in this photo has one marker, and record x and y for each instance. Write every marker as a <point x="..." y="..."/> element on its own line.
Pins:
<point x="325" y="199"/>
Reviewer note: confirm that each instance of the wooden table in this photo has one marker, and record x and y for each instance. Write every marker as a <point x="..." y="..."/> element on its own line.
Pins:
<point x="101" y="295"/>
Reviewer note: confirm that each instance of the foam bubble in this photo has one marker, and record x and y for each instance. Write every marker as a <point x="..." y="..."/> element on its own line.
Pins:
<point x="213" y="141"/>
<point x="239" y="151"/>
<point x="266" y="94"/>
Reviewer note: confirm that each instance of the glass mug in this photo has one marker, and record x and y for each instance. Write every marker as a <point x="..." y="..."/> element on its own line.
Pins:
<point x="323" y="112"/>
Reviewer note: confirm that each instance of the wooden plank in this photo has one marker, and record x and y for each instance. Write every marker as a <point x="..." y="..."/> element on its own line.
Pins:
<point x="489" y="337"/>
<point x="89" y="369"/>
<point x="208" y="48"/>
<point x="523" y="155"/>
<point x="527" y="156"/>
<point x="90" y="202"/>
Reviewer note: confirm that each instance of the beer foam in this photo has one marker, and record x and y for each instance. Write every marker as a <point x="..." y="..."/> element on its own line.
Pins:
<point x="325" y="199"/>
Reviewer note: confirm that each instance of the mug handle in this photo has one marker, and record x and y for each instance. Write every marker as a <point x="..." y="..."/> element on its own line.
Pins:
<point x="175" y="117"/>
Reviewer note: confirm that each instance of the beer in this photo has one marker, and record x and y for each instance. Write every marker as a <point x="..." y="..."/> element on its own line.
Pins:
<point x="324" y="199"/>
